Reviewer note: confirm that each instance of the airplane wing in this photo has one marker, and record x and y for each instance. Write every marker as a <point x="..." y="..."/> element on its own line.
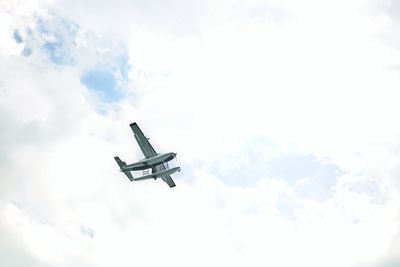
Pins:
<point x="144" y="144"/>
<point x="166" y="178"/>
<point x="169" y="180"/>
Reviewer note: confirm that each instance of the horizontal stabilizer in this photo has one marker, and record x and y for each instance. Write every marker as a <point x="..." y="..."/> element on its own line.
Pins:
<point x="169" y="181"/>
<point x="129" y="175"/>
<point x="121" y="165"/>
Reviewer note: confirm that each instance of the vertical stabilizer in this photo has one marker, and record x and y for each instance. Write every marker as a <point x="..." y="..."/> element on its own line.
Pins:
<point x="121" y="165"/>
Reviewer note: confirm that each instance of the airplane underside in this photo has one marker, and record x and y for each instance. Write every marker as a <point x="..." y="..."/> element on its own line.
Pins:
<point x="149" y="162"/>
<point x="158" y="169"/>
<point x="159" y="174"/>
<point x="154" y="162"/>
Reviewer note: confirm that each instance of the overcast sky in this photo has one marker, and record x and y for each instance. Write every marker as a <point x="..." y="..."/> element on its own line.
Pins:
<point x="284" y="115"/>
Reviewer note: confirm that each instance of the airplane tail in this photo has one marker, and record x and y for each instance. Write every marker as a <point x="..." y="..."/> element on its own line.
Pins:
<point x="121" y="165"/>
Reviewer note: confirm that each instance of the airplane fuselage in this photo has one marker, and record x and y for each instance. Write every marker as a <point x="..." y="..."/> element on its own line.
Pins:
<point x="159" y="174"/>
<point x="149" y="162"/>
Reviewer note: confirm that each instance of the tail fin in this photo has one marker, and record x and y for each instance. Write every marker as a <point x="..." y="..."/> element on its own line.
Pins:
<point x="121" y="165"/>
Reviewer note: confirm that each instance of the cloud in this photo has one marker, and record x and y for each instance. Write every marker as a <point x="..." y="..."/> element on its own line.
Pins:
<point x="9" y="46"/>
<point x="299" y="105"/>
<point x="15" y="252"/>
<point x="119" y="20"/>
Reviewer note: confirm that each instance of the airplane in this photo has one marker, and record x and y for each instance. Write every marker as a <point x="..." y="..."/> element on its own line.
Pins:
<point x="153" y="161"/>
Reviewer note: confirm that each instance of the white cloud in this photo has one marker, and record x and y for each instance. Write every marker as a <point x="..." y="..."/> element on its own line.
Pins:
<point x="206" y="80"/>
<point x="8" y="46"/>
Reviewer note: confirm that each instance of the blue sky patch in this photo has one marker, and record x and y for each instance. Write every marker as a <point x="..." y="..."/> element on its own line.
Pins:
<point x="54" y="50"/>
<point x="124" y="67"/>
<point x="27" y="52"/>
<point x="309" y="176"/>
<point x="104" y="83"/>
<point x="17" y="37"/>
<point x="59" y="42"/>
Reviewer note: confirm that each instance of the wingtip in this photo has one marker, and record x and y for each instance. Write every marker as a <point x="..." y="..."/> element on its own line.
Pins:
<point x="133" y="124"/>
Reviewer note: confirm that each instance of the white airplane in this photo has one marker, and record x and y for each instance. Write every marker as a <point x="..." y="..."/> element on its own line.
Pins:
<point x="157" y="163"/>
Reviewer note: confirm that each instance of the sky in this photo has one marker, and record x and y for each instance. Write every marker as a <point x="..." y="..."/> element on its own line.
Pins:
<point x="284" y="115"/>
